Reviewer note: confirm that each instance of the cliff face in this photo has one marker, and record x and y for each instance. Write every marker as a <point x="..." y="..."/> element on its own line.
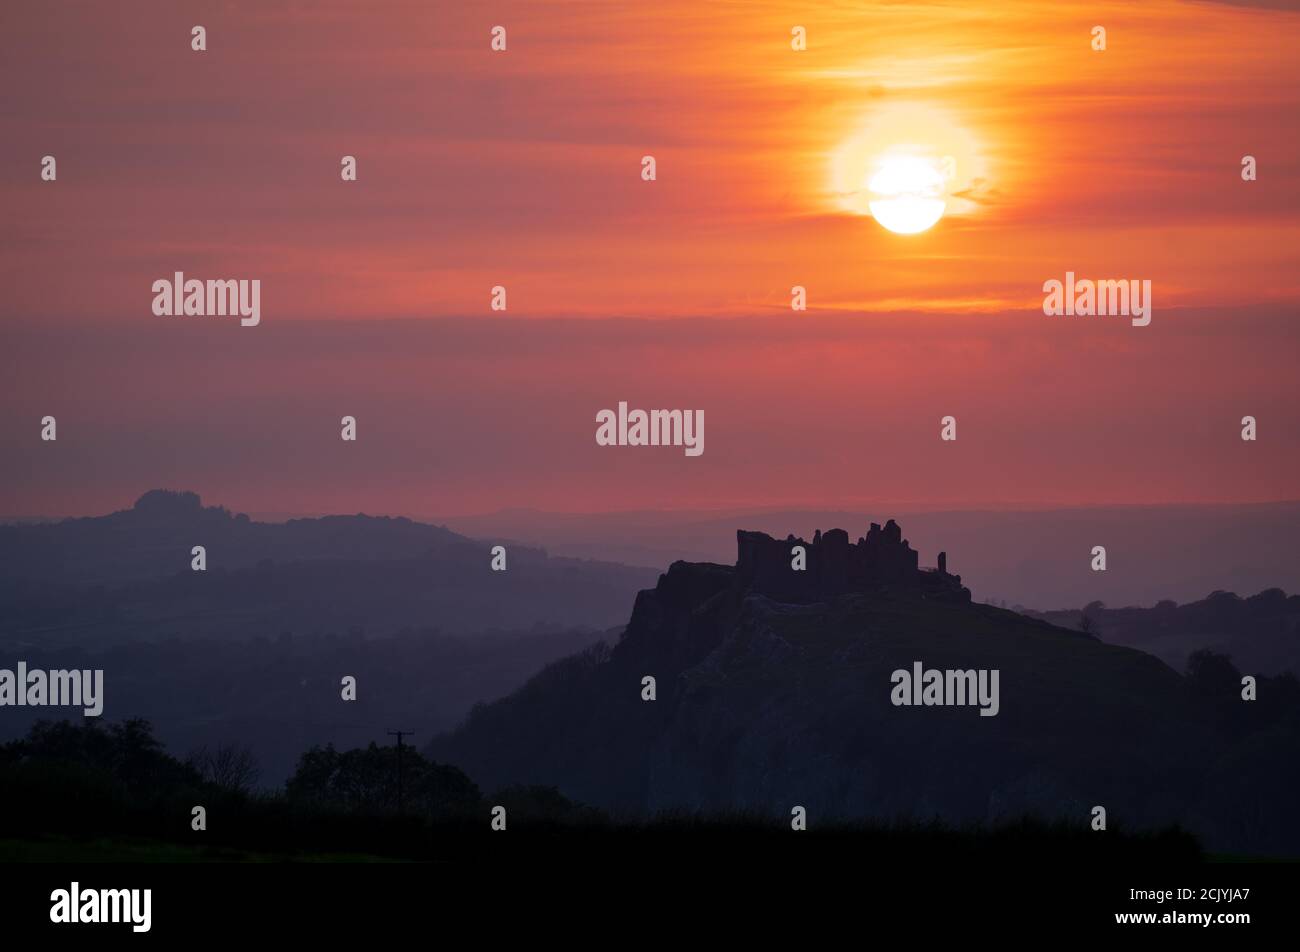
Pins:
<point x="774" y="690"/>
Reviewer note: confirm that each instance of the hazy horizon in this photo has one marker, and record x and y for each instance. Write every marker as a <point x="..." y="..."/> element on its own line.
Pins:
<point x="861" y="509"/>
<point x="1037" y="558"/>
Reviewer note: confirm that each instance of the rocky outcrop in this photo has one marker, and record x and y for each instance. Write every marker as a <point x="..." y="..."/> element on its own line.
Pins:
<point x="775" y="689"/>
<point x="678" y="622"/>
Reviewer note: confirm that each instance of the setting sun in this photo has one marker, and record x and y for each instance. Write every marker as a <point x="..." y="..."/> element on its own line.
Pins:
<point x="907" y="194"/>
<point x="907" y="165"/>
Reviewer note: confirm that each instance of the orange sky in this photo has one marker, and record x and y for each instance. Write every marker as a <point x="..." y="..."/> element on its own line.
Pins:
<point x="522" y="169"/>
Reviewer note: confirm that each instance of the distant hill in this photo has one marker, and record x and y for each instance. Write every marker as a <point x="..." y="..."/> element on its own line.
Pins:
<point x="774" y="692"/>
<point x="154" y="537"/>
<point x="1261" y="633"/>
<point x="126" y="576"/>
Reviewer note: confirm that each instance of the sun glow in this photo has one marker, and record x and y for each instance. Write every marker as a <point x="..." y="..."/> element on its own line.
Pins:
<point x="909" y="165"/>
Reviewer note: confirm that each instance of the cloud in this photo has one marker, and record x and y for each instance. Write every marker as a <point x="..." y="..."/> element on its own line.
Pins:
<point x="1290" y="6"/>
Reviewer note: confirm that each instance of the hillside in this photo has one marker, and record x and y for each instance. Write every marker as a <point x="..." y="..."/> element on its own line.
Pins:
<point x="1261" y="632"/>
<point x="768" y="701"/>
<point x="127" y="576"/>
<point x="153" y="539"/>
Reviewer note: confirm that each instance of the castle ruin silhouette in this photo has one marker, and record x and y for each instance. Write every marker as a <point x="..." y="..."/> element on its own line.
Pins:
<point x="881" y="559"/>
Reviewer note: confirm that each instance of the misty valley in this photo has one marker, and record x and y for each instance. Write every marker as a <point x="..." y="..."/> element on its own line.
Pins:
<point x="853" y="688"/>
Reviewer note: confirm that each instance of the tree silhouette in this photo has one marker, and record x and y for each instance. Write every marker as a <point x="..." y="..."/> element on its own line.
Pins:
<point x="364" y="780"/>
<point x="230" y="767"/>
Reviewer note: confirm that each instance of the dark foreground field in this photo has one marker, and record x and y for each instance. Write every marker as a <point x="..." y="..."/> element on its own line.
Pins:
<point x="277" y="836"/>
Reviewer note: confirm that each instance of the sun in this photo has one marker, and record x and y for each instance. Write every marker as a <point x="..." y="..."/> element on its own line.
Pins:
<point x="906" y="194"/>
<point x="908" y="165"/>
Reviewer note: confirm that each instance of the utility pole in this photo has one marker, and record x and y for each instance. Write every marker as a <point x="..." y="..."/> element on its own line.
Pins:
<point x="399" y="735"/>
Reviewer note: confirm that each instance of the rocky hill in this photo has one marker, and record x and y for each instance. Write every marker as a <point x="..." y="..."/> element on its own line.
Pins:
<point x="775" y="688"/>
